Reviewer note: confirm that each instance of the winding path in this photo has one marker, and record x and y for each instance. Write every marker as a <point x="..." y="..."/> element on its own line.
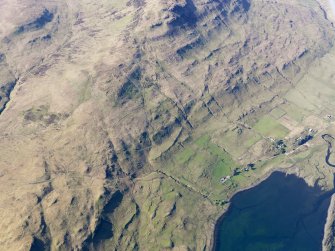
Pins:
<point x="329" y="150"/>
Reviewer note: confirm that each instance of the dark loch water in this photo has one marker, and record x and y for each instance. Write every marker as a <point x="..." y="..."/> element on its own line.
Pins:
<point x="281" y="213"/>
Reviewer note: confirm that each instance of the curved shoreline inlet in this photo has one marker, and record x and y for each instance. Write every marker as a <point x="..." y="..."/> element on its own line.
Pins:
<point x="281" y="213"/>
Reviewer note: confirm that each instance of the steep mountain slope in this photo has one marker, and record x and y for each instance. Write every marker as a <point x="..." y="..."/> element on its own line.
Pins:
<point x="105" y="106"/>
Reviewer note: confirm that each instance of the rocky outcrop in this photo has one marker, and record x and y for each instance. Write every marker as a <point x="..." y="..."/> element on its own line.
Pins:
<point x="328" y="243"/>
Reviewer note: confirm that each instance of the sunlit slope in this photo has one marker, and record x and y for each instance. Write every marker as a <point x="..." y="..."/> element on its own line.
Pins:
<point x="120" y="119"/>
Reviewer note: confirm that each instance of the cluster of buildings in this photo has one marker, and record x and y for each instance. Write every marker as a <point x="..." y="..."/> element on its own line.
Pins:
<point x="224" y="179"/>
<point x="237" y="172"/>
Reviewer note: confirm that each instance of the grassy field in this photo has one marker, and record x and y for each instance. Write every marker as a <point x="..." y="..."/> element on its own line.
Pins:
<point x="269" y="127"/>
<point x="201" y="164"/>
<point x="237" y="143"/>
<point x="294" y="111"/>
<point x="277" y="113"/>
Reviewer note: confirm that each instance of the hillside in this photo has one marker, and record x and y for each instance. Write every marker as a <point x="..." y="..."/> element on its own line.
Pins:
<point x="119" y="118"/>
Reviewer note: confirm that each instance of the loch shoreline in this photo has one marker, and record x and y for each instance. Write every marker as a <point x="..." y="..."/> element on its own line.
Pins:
<point x="219" y="219"/>
<point x="218" y="223"/>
